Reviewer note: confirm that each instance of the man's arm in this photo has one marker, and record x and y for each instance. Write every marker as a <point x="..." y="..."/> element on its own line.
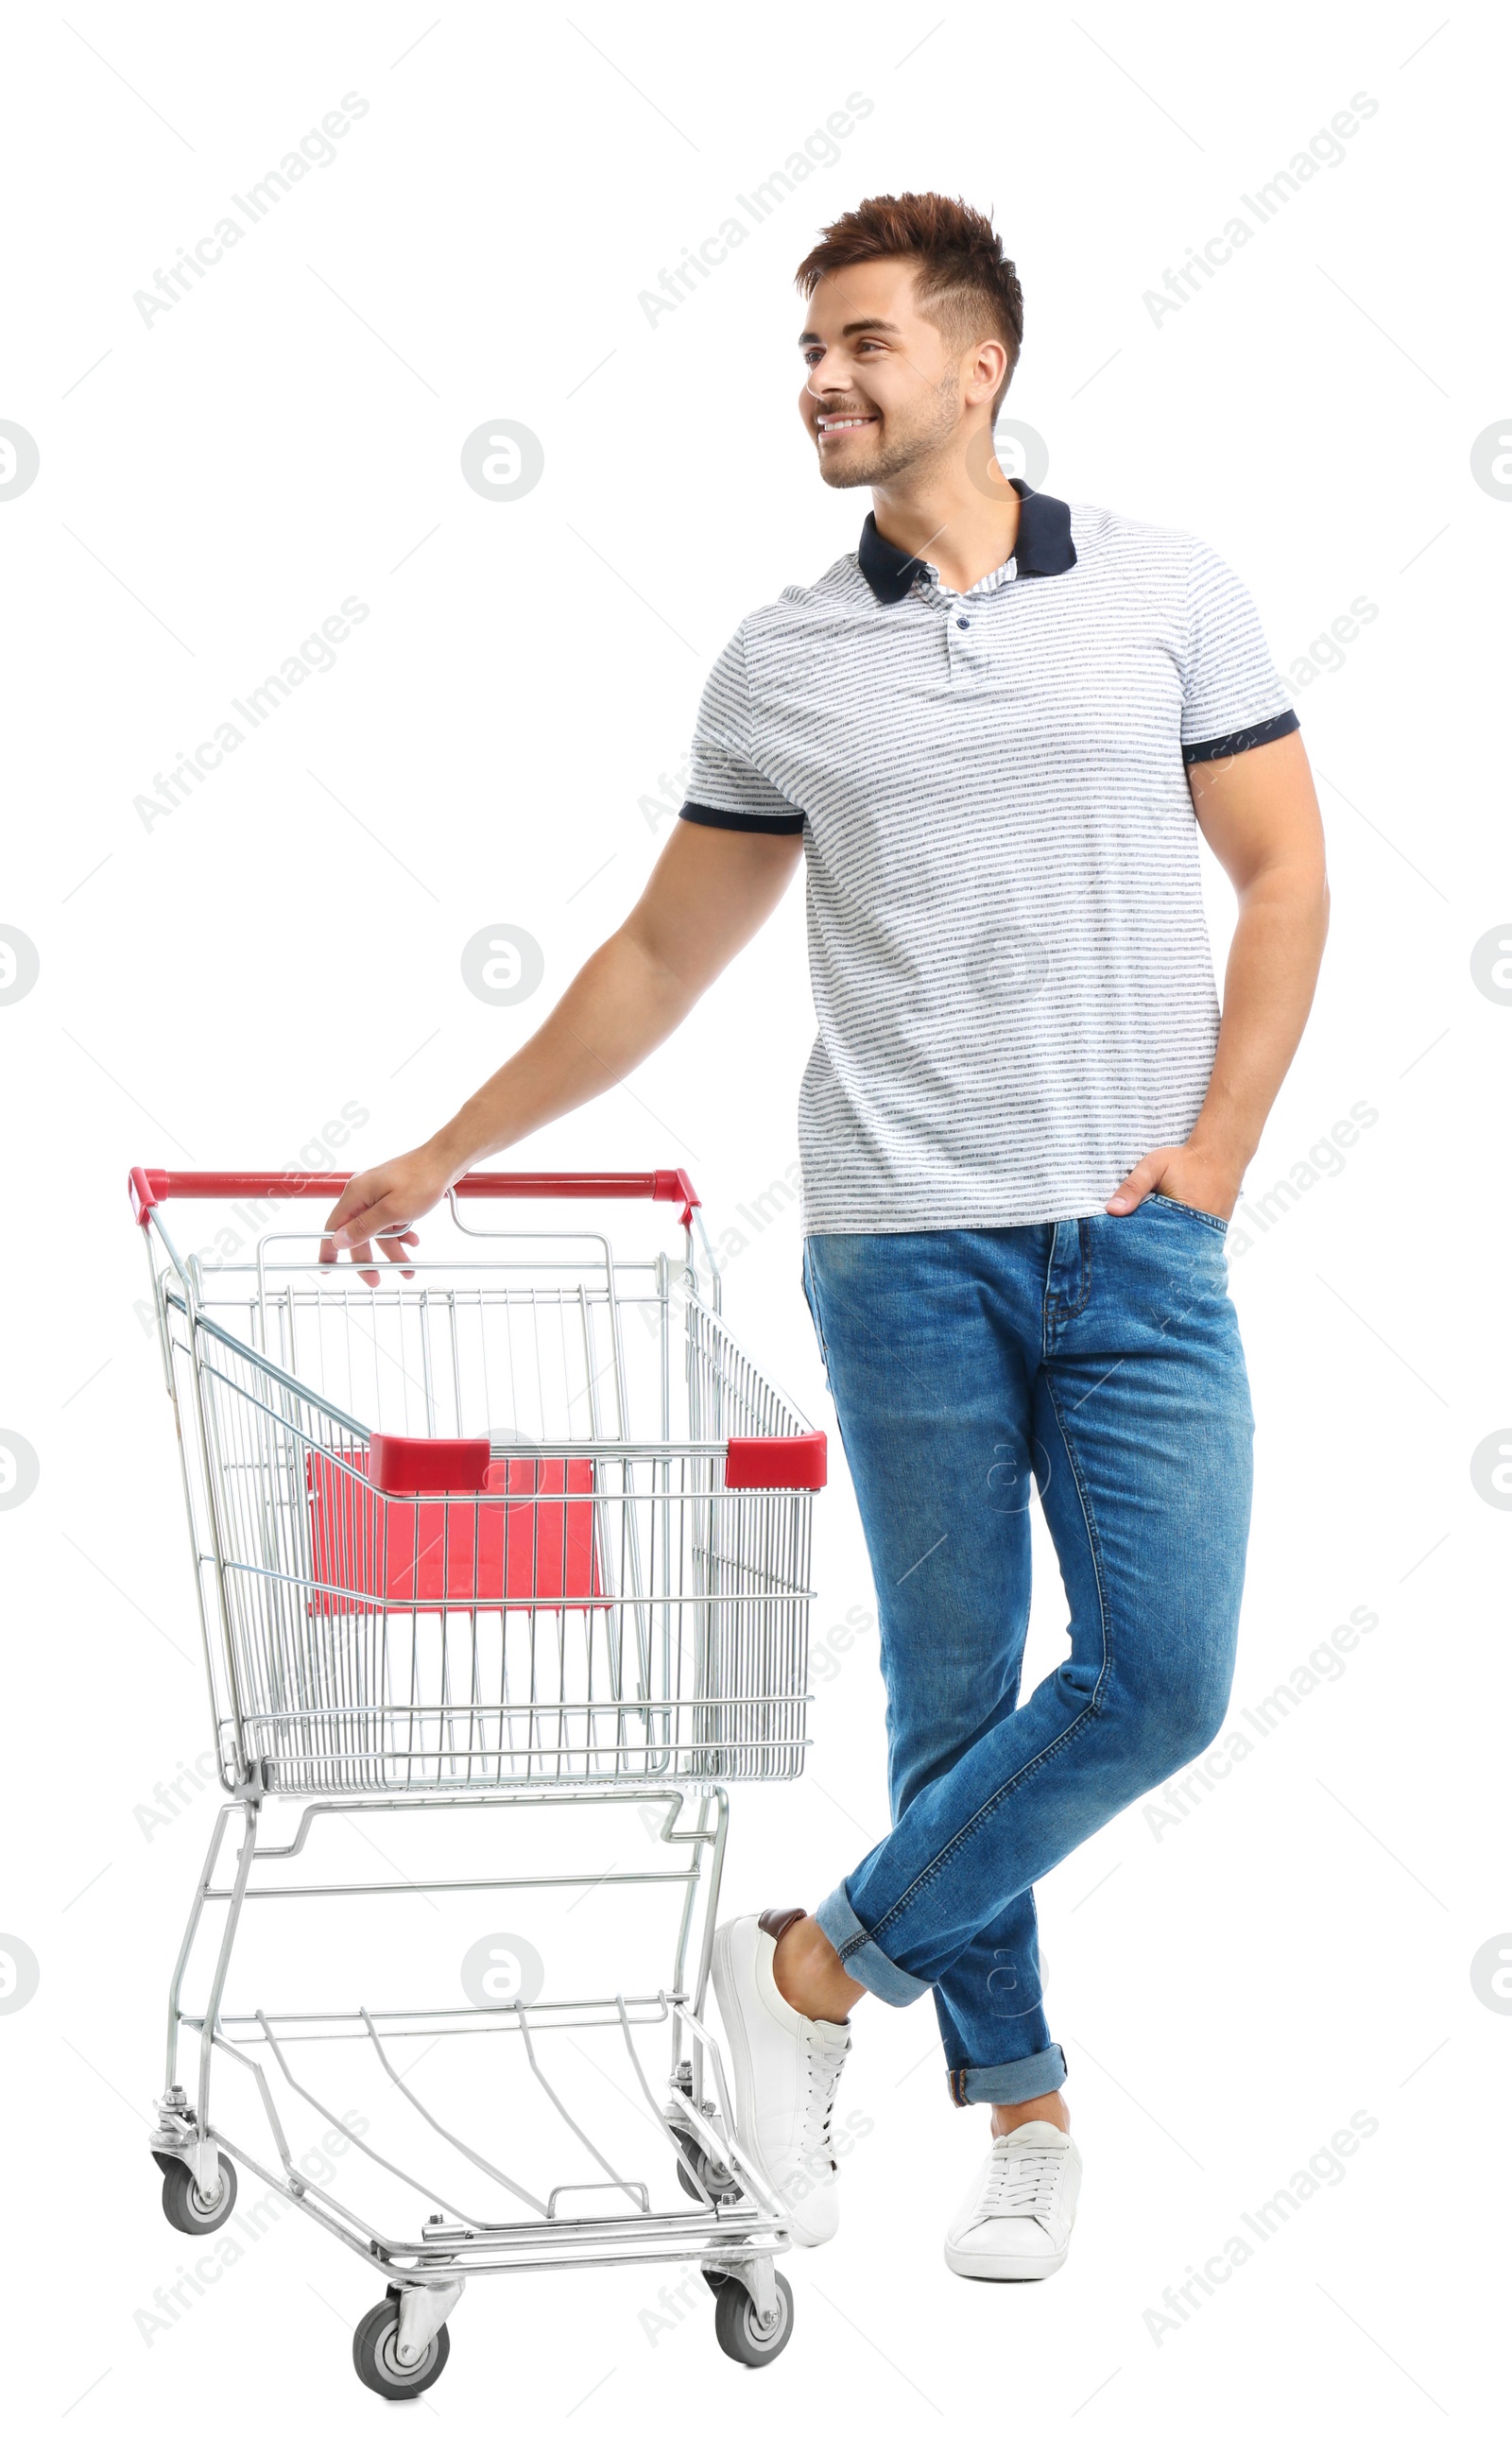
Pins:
<point x="710" y="891"/>
<point x="1259" y="815"/>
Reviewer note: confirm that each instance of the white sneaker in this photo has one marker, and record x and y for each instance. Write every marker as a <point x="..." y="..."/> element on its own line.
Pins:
<point x="1017" y="2217"/>
<point x="787" y="2070"/>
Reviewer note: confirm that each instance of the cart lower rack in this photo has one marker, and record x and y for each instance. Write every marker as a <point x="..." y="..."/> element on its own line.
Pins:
<point x="515" y="1535"/>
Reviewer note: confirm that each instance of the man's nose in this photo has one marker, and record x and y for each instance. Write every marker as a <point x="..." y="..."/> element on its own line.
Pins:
<point x="825" y="383"/>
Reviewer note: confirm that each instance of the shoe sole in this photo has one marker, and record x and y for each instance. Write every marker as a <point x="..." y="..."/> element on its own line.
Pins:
<point x="982" y="2268"/>
<point x="734" y="2020"/>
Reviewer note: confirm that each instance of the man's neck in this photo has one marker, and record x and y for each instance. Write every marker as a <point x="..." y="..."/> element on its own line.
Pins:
<point x="964" y="530"/>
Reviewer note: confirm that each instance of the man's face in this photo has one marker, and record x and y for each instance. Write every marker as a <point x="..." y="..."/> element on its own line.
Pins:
<point x="882" y="389"/>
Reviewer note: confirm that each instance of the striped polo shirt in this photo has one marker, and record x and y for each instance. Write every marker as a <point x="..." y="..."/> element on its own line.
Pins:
<point x="1012" y="972"/>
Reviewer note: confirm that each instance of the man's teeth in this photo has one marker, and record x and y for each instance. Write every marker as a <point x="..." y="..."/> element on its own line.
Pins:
<point x="845" y="422"/>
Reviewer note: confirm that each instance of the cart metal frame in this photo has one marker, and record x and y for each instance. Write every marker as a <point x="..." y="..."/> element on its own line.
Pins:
<point x="653" y="1568"/>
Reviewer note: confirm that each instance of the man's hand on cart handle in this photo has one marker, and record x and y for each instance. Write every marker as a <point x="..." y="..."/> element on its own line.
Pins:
<point x="378" y="1205"/>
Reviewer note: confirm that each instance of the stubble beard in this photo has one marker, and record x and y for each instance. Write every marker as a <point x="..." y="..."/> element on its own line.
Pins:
<point x="905" y="452"/>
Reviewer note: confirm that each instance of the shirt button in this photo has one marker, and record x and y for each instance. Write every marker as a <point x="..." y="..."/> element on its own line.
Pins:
<point x="964" y="621"/>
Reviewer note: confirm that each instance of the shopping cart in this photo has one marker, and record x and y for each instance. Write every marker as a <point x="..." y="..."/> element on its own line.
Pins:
<point x="517" y="1527"/>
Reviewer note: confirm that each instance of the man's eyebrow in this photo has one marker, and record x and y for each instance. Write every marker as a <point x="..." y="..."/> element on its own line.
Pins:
<point x="871" y="322"/>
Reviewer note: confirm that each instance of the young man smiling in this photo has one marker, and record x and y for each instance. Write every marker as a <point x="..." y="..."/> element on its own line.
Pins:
<point x="994" y="731"/>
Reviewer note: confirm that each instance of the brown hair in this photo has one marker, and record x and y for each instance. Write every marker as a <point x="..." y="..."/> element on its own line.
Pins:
<point x="963" y="278"/>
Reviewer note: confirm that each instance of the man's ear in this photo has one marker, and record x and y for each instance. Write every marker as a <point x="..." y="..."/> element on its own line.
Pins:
<point x="985" y="368"/>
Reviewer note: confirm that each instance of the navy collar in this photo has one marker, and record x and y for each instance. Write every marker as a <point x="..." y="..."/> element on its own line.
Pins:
<point x="1044" y="546"/>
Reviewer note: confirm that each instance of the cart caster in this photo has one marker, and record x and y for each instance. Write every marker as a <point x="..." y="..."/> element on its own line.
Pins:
<point x="376" y="2358"/>
<point x="181" y="2203"/>
<point x="717" y="2180"/>
<point x="740" y="2332"/>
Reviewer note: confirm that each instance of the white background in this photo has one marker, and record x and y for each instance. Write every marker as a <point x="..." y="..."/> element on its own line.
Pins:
<point x="213" y="990"/>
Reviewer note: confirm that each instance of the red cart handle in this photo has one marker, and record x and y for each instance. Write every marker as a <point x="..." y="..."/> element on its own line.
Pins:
<point x="148" y="1186"/>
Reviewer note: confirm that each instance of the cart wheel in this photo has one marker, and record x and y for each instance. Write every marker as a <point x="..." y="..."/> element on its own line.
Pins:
<point x="181" y="2204"/>
<point x="718" y="2182"/>
<point x="376" y="2358"/>
<point x="740" y="2332"/>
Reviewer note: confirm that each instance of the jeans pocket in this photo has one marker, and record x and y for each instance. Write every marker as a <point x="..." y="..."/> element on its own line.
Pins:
<point x="1188" y="1210"/>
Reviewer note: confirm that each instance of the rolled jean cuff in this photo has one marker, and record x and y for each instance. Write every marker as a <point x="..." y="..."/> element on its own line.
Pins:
<point x="862" y="1957"/>
<point x="1007" y="2085"/>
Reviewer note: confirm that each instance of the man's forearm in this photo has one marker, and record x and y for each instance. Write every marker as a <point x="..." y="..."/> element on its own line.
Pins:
<point x="1270" y="977"/>
<point x="621" y="1006"/>
<point x="710" y="891"/>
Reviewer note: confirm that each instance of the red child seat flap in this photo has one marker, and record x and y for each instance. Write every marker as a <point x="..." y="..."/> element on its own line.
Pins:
<point x="527" y="1536"/>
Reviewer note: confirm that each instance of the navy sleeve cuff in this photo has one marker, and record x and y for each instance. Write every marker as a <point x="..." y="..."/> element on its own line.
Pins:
<point x="709" y="817"/>
<point x="1218" y="749"/>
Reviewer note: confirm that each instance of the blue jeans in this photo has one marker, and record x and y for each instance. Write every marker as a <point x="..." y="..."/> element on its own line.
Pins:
<point x="1098" y="1360"/>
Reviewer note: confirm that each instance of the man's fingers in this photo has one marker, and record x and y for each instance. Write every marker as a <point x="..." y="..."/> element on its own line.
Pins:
<point x="395" y="1246"/>
<point x="356" y="1198"/>
<point x="363" y="1252"/>
<point x="1139" y="1181"/>
<point x="365" y="1223"/>
<point x="366" y="1227"/>
<point x="379" y="1209"/>
<point x="342" y="1232"/>
<point x="366" y="1205"/>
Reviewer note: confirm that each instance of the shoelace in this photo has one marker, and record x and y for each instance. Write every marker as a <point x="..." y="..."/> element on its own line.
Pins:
<point x="1022" y="2182"/>
<point x="822" y="2071"/>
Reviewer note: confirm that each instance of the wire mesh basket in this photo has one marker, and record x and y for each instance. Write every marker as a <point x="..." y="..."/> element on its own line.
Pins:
<point x="519" y="1513"/>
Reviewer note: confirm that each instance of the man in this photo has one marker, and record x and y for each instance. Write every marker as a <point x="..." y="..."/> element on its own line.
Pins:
<point x="1023" y="1131"/>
